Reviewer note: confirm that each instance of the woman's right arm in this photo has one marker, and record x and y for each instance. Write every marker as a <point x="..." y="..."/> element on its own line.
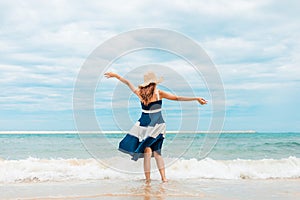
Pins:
<point x="123" y="80"/>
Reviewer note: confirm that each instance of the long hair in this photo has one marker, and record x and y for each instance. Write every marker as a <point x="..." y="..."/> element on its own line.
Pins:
<point x="147" y="92"/>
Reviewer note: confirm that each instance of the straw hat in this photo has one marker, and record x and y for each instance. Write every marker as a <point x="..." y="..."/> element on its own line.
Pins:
<point x="150" y="77"/>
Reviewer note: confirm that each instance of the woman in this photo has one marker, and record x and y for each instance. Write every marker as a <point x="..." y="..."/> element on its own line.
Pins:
<point x="146" y="137"/>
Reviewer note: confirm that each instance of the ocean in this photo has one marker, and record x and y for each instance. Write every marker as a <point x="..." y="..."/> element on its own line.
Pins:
<point x="68" y="158"/>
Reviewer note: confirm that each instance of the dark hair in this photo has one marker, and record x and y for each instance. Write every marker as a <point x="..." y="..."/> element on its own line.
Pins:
<point x="147" y="92"/>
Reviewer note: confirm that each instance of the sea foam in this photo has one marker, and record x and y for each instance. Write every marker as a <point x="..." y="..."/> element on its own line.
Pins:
<point x="44" y="170"/>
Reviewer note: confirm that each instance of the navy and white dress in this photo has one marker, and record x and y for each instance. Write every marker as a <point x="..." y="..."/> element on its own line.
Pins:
<point x="148" y="131"/>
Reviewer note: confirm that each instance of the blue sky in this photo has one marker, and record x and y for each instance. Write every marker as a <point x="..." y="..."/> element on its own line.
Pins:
<point x="254" y="44"/>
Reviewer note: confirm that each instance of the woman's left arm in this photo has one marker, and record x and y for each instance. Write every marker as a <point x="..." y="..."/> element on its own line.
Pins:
<point x="173" y="97"/>
<point x="122" y="79"/>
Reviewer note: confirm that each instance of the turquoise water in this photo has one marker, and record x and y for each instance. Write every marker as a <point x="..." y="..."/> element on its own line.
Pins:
<point x="229" y="146"/>
<point x="29" y="158"/>
<point x="257" y="146"/>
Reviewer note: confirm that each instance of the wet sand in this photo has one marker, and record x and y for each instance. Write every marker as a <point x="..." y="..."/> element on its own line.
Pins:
<point x="174" y="189"/>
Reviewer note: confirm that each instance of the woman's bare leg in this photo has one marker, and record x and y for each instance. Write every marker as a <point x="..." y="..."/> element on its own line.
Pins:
<point x="161" y="166"/>
<point x="147" y="162"/>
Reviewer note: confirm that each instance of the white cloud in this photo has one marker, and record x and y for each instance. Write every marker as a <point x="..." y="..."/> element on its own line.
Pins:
<point x="223" y="7"/>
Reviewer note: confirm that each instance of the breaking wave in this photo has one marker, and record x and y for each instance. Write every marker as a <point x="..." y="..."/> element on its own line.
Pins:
<point x="44" y="170"/>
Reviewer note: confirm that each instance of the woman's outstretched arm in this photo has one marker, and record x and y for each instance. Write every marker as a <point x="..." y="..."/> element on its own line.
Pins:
<point x="122" y="79"/>
<point x="173" y="97"/>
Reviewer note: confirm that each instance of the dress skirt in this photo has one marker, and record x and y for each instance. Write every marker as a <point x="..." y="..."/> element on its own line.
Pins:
<point x="149" y="131"/>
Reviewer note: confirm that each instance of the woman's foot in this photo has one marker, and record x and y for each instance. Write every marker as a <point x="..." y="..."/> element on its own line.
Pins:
<point x="164" y="180"/>
<point x="148" y="181"/>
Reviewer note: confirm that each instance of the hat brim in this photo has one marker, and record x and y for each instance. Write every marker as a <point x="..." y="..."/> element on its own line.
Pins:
<point x="157" y="81"/>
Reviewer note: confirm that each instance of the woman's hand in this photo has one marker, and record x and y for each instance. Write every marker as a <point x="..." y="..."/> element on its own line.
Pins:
<point x="122" y="79"/>
<point x="111" y="75"/>
<point x="202" y="101"/>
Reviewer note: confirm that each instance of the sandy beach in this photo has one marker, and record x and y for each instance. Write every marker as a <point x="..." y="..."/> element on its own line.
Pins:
<point x="179" y="189"/>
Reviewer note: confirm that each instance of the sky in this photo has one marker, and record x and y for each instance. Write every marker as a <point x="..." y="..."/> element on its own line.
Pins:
<point x="254" y="46"/>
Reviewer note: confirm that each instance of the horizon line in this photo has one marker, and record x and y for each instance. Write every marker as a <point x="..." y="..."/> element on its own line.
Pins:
<point x="121" y="132"/>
